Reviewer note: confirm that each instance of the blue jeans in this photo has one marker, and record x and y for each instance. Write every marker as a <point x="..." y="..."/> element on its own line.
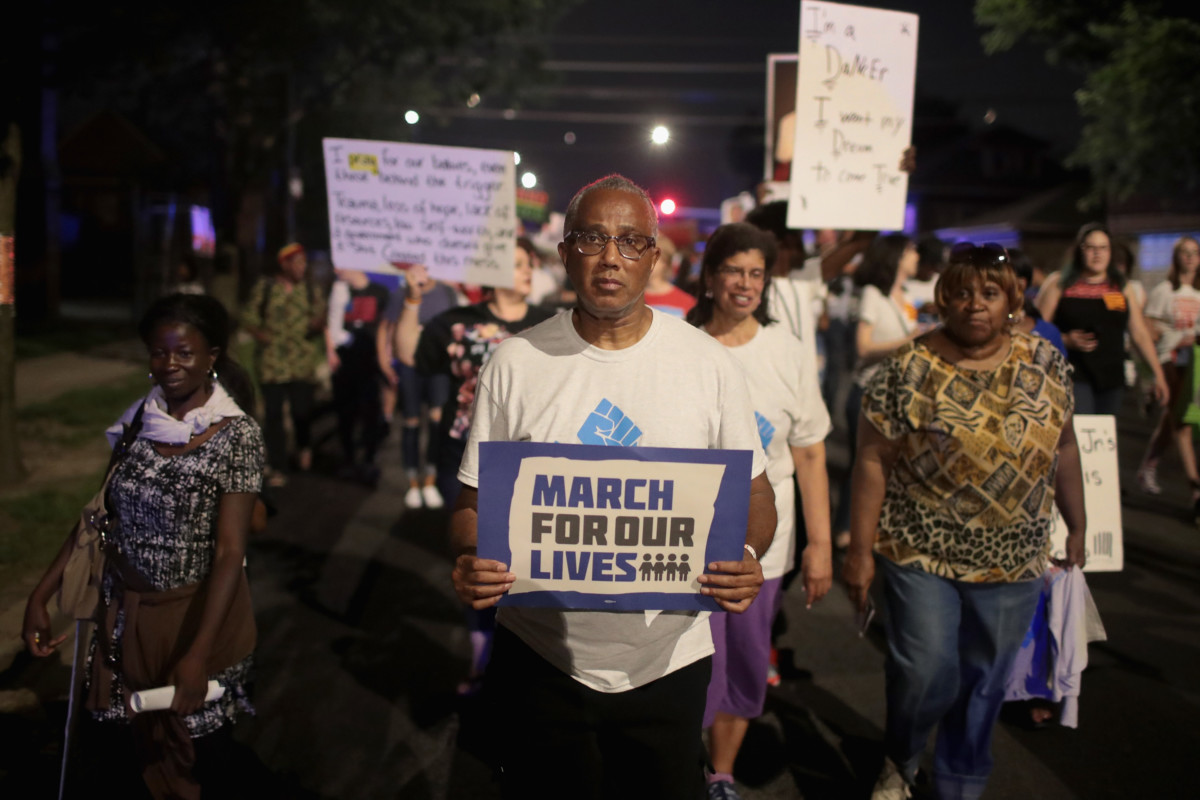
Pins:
<point x="1089" y="400"/>
<point x="950" y="647"/>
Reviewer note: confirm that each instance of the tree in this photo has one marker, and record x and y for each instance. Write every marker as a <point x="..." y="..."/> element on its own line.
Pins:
<point x="1140" y="99"/>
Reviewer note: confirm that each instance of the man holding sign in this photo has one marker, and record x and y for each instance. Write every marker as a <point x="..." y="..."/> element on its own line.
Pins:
<point x="599" y="701"/>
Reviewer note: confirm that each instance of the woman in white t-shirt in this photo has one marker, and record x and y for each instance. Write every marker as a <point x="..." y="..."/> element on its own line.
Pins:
<point x="792" y="423"/>
<point x="887" y="319"/>
<point x="1173" y="307"/>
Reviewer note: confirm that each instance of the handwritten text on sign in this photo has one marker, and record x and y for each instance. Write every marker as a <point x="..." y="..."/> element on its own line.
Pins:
<point x="611" y="533"/>
<point x="452" y="209"/>
<point x="854" y="107"/>
<point x="1097" y="437"/>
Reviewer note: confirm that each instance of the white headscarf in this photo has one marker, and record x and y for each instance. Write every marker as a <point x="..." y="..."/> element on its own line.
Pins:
<point x="159" y="426"/>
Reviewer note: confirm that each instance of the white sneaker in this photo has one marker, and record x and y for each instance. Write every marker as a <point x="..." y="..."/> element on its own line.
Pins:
<point x="412" y="498"/>
<point x="891" y="784"/>
<point x="433" y="498"/>
<point x="1147" y="478"/>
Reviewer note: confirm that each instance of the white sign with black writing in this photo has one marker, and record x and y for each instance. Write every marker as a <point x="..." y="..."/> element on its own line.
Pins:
<point x="1097" y="437"/>
<point x="854" y="108"/>
<point x="393" y="204"/>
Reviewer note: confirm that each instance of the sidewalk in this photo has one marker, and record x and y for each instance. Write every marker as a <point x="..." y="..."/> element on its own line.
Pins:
<point x="46" y="377"/>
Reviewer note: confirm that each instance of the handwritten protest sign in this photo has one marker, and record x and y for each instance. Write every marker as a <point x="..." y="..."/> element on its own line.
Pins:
<point x="584" y="528"/>
<point x="452" y="209"/>
<point x="854" y="108"/>
<point x="1097" y="437"/>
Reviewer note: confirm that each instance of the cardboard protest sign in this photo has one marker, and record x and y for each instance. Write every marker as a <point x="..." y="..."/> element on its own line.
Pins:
<point x="583" y="526"/>
<point x="853" y="117"/>
<point x="1097" y="437"/>
<point x="393" y="204"/>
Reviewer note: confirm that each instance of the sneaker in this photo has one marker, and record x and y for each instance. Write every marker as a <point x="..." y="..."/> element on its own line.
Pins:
<point x="891" y="784"/>
<point x="1147" y="478"/>
<point x="722" y="790"/>
<point x="773" y="678"/>
<point x="412" y="498"/>
<point x="433" y="498"/>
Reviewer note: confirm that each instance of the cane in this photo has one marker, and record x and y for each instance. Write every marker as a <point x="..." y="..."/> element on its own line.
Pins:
<point x="82" y="638"/>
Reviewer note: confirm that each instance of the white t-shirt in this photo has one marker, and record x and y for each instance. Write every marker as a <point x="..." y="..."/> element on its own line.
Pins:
<point x="679" y="388"/>
<point x="921" y="293"/>
<point x="888" y="320"/>
<point x="796" y="306"/>
<point x="790" y="413"/>
<point x="1176" y="311"/>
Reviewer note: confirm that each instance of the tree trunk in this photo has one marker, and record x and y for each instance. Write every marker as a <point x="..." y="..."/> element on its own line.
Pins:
<point x="11" y="468"/>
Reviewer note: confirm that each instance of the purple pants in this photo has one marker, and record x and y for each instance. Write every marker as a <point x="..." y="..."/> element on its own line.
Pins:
<point x="743" y="653"/>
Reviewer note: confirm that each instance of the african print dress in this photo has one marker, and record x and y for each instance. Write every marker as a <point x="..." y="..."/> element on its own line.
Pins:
<point x="166" y="508"/>
<point x="971" y="495"/>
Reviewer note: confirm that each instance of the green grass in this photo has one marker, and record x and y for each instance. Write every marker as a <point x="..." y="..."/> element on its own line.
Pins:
<point x="33" y="526"/>
<point x="34" y="523"/>
<point x="80" y="415"/>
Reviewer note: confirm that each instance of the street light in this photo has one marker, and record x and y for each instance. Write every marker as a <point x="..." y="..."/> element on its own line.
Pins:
<point x="660" y="134"/>
<point x="667" y="206"/>
<point x="529" y="180"/>
<point x="412" y="117"/>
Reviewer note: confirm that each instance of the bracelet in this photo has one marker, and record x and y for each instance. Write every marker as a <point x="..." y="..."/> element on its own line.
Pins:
<point x="408" y="301"/>
<point x="751" y="551"/>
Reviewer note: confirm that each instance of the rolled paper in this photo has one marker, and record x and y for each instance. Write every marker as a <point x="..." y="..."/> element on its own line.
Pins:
<point x="160" y="698"/>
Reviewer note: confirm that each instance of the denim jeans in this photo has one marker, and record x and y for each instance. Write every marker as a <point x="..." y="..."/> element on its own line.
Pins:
<point x="950" y="647"/>
<point x="1090" y="400"/>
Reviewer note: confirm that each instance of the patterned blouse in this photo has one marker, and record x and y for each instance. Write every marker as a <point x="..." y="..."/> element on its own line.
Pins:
<point x="971" y="496"/>
<point x="293" y="353"/>
<point x="167" y="531"/>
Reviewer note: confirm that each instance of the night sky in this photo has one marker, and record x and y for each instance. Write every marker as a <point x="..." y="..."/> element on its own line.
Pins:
<point x="699" y="67"/>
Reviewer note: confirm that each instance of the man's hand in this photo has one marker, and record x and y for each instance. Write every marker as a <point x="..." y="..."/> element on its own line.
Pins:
<point x="481" y="582"/>
<point x="735" y="585"/>
<point x="816" y="567"/>
<point x="858" y="572"/>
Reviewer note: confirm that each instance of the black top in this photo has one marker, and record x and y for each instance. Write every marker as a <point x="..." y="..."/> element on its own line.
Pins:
<point x="458" y="343"/>
<point x="1098" y="308"/>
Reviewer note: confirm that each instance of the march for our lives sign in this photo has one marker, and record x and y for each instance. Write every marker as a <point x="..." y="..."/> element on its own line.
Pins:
<point x="584" y="527"/>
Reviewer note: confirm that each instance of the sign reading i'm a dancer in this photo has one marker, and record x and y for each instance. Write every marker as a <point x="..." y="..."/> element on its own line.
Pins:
<point x="584" y="527"/>
<point x="853" y="117"/>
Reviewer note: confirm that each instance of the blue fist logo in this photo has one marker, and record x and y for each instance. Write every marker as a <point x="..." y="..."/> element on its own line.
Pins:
<point x="608" y="426"/>
<point x="766" y="431"/>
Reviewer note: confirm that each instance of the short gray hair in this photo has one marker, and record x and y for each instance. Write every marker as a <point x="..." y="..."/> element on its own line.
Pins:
<point x="614" y="182"/>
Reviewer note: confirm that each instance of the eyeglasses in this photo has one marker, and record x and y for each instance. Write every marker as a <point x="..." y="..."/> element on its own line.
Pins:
<point x="984" y="255"/>
<point x="752" y="275"/>
<point x="629" y="245"/>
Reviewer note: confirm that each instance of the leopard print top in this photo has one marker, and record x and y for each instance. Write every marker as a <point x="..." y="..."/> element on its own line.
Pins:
<point x="971" y="496"/>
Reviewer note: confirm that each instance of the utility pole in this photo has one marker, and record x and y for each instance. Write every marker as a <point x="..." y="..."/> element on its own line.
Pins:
<point x="11" y="468"/>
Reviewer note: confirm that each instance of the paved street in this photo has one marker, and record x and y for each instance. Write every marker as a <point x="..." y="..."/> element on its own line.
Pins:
<point x="362" y="642"/>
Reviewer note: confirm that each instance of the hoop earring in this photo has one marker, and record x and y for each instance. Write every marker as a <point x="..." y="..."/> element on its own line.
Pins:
<point x="212" y="374"/>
